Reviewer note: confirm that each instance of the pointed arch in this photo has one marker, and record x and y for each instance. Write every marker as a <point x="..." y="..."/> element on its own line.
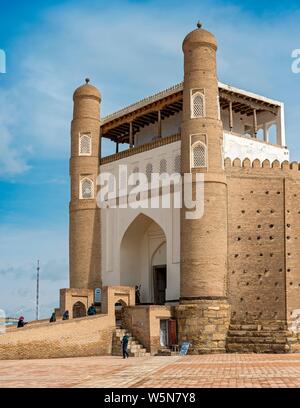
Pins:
<point x="197" y="105"/>
<point x="85" y="145"/>
<point x="141" y="240"/>
<point x="86" y="188"/>
<point x="199" y="155"/>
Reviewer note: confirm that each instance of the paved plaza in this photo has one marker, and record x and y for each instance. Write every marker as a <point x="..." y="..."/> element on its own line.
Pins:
<point x="223" y="370"/>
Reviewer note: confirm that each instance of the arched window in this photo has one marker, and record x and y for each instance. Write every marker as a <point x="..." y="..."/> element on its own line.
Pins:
<point x="86" y="188"/>
<point x="163" y="166"/>
<point x="85" y="145"/>
<point x="149" y="171"/>
<point x="197" y="105"/>
<point x="177" y="164"/>
<point x="199" y="155"/>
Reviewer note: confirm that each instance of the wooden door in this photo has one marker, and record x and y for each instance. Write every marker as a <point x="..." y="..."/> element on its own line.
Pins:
<point x="172" y="332"/>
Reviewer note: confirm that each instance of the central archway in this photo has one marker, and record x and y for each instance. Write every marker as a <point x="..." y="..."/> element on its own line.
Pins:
<point x="143" y="248"/>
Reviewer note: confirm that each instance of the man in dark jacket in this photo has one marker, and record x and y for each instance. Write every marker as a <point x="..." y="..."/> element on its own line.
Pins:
<point x="124" y="343"/>
<point x="53" y="318"/>
<point x="91" y="311"/>
<point x="66" y="315"/>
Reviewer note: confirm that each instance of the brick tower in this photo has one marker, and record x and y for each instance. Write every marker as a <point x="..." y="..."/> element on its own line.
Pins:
<point x="203" y="314"/>
<point x="85" y="234"/>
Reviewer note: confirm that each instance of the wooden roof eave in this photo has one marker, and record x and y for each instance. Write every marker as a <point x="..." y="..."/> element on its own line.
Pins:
<point x="132" y="116"/>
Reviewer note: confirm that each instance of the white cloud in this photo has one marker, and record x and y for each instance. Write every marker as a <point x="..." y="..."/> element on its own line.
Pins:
<point x="129" y="51"/>
<point x="20" y="249"/>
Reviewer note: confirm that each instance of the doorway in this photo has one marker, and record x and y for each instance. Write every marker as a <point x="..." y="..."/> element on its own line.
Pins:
<point x="79" y="310"/>
<point x="163" y="333"/>
<point x="159" y="284"/>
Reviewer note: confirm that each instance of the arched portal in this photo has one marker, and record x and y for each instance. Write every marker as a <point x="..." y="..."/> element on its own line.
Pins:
<point x="119" y="305"/>
<point x="143" y="259"/>
<point x="79" y="310"/>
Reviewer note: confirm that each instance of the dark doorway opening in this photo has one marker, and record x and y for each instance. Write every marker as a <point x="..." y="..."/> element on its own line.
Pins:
<point x="79" y="310"/>
<point x="160" y="284"/>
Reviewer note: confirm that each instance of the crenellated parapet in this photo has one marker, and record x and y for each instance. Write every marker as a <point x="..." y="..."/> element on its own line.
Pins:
<point x="262" y="167"/>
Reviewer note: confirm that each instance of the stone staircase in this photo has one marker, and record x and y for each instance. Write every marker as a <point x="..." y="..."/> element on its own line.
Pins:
<point x="135" y="349"/>
<point x="257" y="338"/>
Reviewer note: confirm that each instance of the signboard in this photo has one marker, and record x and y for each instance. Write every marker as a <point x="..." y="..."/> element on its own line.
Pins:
<point x="97" y="295"/>
<point x="184" y="348"/>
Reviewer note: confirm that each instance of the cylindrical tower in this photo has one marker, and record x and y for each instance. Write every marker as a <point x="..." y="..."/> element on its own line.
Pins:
<point x="85" y="232"/>
<point x="203" y="314"/>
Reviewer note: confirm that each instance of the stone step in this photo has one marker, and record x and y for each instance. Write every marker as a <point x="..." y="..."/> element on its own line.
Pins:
<point x="256" y="348"/>
<point x="262" y="333"/>
<point x="258" y="327"/>
<point x="256" y="340"/>
<point x="135" y="349"/>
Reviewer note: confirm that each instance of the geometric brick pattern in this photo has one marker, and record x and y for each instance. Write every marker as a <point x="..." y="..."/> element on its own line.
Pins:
<point x="210" y="371"/>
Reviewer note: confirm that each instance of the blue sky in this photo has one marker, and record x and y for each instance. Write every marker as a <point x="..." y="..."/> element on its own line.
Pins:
<point x="129" y="49"/>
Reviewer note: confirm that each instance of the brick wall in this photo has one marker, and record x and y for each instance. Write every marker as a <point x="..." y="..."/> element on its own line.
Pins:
<point x="88" y="336"/>
<point x="263" y="233"/>
<point x="144" y="323"/>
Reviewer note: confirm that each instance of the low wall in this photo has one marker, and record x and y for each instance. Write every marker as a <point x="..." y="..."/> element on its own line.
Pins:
<point x="87" y="336"/>
<point x="144" y="323"/>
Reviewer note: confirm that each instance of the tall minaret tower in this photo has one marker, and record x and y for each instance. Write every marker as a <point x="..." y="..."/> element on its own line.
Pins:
<point x="85" y="234"/>
<point x="203" y="313"/>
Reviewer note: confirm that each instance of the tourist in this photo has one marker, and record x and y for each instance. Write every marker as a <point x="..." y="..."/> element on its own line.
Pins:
<point x="92" y="310"/>
<point x="53" y="318"/>
<point x="124" y="343"/>
<point x="66" y="315"/>
<point x="137" y="295"/>
<point x="21" y="322"/>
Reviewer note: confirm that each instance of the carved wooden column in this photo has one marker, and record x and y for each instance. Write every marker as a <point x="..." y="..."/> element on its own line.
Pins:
<point x="130" y="135"/>
<point x="230" y="117"/>
<point x="159" y="123"/>
<point x="254" y="123"/>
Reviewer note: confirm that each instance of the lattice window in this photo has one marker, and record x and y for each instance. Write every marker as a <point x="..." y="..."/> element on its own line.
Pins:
<point x="197" y="105"/>
<point x="85" y="145"/>
<point x="87" y="188"/>
<point x="177" y="164"/>
<point x="149" y="171"/>
<point x="163" y="166"/>
<point x="199" y="155"/>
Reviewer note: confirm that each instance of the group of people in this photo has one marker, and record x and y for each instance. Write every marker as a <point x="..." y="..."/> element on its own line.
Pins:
<point x="91" y="312"/>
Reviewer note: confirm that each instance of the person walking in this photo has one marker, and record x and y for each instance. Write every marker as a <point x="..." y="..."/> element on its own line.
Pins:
<point x="124" y="343"/>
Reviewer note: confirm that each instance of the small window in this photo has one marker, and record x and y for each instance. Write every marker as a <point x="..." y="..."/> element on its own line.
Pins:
<point x="85" y="145"/>
<point x="199" y="155"/>
<point x="163" y="166"/>
<point x="86" y="188"/>
<point x="177" y="164"/>
<point x="149" y="171"/>
<point x="197" y="105"/>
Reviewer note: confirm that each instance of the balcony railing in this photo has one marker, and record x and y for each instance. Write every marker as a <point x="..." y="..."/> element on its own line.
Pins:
<point x="142" y="148"/>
